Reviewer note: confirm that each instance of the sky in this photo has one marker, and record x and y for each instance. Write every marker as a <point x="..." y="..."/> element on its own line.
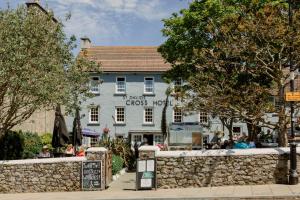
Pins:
<point x="112" y="22"/>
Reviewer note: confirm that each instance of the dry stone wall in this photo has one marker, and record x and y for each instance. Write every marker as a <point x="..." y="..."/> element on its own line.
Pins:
<point x="222" y="167"/>
<point x="41" y="175"/>
<point x="49" y="174"/>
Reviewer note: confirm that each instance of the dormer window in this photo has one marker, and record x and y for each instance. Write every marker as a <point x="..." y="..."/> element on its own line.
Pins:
<point x="120" y="85"/>
<point x="95" y="85"/>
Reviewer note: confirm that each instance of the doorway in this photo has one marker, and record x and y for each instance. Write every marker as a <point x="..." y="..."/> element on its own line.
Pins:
<point x="149" y="138"/>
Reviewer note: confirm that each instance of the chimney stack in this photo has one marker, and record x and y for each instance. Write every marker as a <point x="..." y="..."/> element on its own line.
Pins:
<point x="85" y="43"/>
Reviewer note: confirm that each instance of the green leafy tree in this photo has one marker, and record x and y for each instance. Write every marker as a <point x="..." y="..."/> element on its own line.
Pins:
<point x="37" y="68"/>
<point x="233" y="55"/>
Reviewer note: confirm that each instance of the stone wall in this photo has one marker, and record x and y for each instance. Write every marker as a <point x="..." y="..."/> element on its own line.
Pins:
<point x="180" y="169"/>
<point x="50" y="174"/>
<point x="41" y="175"/>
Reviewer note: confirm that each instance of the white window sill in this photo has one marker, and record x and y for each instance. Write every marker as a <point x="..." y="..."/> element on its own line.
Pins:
<point x="120" y="124"/>
<point x="95" y="93"/>
<point x="119" y="94"/>
<point x="149" y="94"/>
<point x="148" y="124"/>
<point x="93" y="124"/>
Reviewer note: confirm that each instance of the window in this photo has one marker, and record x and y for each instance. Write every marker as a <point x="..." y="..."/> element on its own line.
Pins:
<point x="94" y="115"/>
<point x="120" y="115"/>
<point x="95" y="85"/>
<point x="205" y="139"/>
<point x="149" y="85"/>
<point x="158" y="139"/>
<point x="177" y="115"/>
<point x="236" y="129"/>
<point x="148" y="115"/>
<point x="203" y="118"/>
<point x="94" y="141"/>
<point x="137" y="138"/>
<point x="236" y="132"/>
<point x="86" y="141"/>
<point x="121" y="85"/>
<point x="90" y="141"/>
<point x="177" y="85"/>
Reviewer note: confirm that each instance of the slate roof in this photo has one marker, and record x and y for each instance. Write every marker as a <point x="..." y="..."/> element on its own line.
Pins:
<point x="126" y="58"/>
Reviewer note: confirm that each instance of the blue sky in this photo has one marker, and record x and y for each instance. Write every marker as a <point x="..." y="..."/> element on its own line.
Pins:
<point x="113" y="22"/>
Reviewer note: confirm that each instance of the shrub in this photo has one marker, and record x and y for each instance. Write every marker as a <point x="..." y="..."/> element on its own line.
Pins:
<point x="120" y="148"/>
<point x="11" y="144"/>
<point x="47" y="140"/>
<point x="117" y="164"/>
<point x="32" y="144"/>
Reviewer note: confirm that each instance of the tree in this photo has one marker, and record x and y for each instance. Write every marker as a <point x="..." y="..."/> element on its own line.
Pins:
<point x="164" y="123"/>
<point x="233" y="54"/>
<point x="37" y="68"/>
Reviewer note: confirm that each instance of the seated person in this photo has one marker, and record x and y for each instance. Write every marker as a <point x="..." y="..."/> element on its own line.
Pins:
<point x="69" y="151"/>
<point x="80" y="152"/>
<point x="44" y="153"/>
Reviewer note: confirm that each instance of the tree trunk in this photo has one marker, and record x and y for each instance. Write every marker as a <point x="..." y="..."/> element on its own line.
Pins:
<point x="253" y="130"/>
<point x="282" y="123"/>
<point x="283" y="129"/>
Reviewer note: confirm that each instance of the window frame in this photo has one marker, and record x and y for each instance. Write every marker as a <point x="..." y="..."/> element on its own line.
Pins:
<point x="177" y="88"/>
<point x="90" y="114"/>
<point x="137" y="135"/>
<point x="206" y="116"/>
<point x="116" y="87"/>
<point x="153" y="80"/>
<point x="155" y="142"/>
<point x="144" y="116"/>
<point x="116" y="115"/>
<point x="98" y="86"/>
<point x="174" y="110"/>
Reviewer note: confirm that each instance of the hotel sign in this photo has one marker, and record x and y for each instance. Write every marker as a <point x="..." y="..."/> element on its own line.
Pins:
<point x="142" y="101"/>
<point x="292" y="96"/>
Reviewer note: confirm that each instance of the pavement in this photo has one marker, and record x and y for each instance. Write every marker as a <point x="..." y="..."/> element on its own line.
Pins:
<point x="124" y="189"/>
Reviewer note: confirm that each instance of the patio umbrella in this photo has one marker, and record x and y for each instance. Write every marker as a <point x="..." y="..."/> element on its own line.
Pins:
<point x="60" y="133"/>
<point x="77" y="132"/>
<point x="90" y="133"/>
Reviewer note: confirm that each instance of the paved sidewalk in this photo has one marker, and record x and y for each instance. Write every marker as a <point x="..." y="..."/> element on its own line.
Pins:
<point x="229" y="192"/>
<point x="124" y="188"/>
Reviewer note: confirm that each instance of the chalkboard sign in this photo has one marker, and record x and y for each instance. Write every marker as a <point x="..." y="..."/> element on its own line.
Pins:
<point x="146" y="174"/>
<point x="91" y="175"/>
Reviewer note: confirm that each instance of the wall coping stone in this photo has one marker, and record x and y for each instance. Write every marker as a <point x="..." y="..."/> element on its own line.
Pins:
<point x="225" y="152"/>
<point x="149" y="148"/>
<point x="43" y="160"/>
<point x="96" y="149"/>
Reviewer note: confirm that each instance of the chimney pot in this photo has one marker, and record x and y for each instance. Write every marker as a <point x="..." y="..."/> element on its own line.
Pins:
<point x="85" y="43"/>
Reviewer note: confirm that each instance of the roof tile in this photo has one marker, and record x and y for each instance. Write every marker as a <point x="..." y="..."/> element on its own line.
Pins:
<point x="127" y="58"/>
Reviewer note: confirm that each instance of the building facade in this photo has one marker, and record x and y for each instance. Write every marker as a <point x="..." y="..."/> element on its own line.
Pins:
<point x="129" y="101"/>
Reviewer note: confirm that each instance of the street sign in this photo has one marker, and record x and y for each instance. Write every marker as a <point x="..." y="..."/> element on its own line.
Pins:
<point x="292" y="96"/>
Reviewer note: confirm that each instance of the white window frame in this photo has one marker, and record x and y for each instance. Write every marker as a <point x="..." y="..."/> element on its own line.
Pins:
<point x="152" y="84"/>
<point x="138" y="135"/>
<point x="116" y="115"/>
<point x="96" y="87"/>
<point x="175" y="86"/>
<point x="174" y="110"/>
<point x="86" y="141"/>
<point x="145" y="115"/>
<point x="90" y="141"/>
<point x="94" y="141"/>
<point x="90" y="115"/>
<point x="205" y="137"/>
<point x="201" y="115"/>
<point x="116" y="89"/>
<point x="236" y="135"/>
<point x="155" y="142"/>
